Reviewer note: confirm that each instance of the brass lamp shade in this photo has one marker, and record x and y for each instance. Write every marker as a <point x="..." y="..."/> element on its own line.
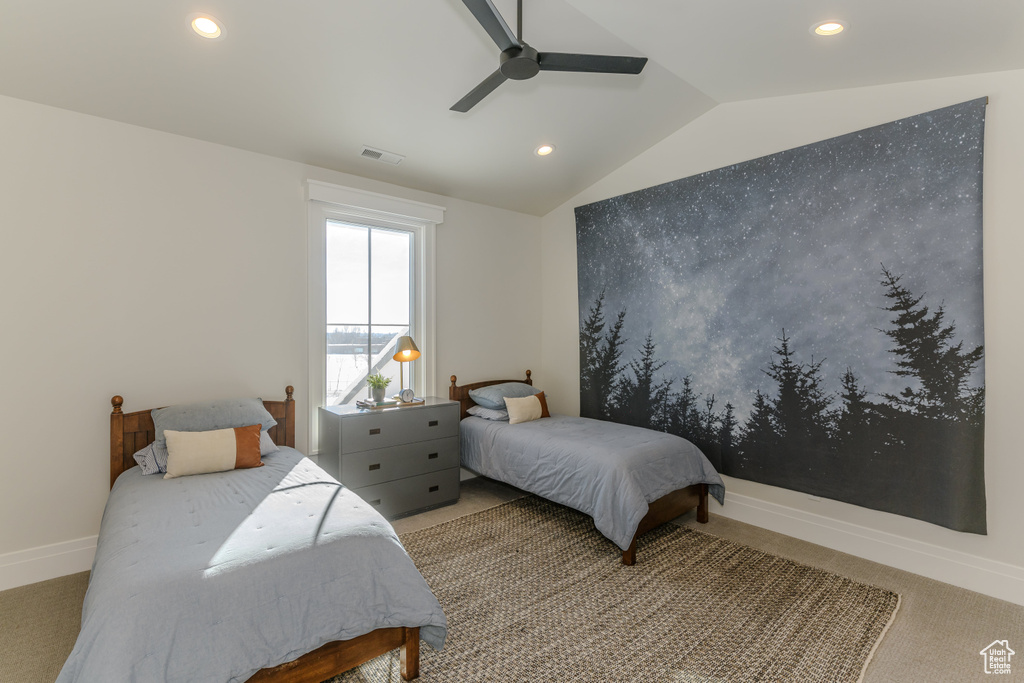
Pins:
<point x="406" y="350"/>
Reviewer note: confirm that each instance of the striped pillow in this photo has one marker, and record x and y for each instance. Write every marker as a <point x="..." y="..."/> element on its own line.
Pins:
<point x="488" y="414"/>
<point x="213" y="451"/>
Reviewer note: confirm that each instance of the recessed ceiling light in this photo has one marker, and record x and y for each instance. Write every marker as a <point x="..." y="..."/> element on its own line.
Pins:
<point x="828" y="28"/>
<point x="544" y="150"/>
<point x="206" y="26"/>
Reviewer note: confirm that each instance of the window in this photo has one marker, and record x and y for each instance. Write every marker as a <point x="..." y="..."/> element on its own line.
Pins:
<point x="370" y="294"/>
<point x="371" y="280"/>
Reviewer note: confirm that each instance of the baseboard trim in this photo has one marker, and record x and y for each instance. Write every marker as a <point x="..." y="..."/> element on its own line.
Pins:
<point x="45" y="562"/>
<point x="990" y="577"/>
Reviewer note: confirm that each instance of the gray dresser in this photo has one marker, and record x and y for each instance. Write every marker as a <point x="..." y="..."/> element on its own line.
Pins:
<point x="400" y="460"/>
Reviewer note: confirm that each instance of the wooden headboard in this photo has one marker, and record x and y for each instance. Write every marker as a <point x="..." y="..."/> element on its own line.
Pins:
<point x="130" y="432"/>
<point x="461" y="394"/>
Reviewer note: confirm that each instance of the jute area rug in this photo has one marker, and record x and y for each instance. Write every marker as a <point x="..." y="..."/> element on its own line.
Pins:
<point x="533" y="592"/>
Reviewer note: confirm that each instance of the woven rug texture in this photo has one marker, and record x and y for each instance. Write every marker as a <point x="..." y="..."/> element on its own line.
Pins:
<point x="533" y="592"/>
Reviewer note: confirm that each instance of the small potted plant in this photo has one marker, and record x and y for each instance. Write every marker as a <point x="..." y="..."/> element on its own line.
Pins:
<point x="378" y="383"/>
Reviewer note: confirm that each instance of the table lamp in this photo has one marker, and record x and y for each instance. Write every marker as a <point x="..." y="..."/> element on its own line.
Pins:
<point x="405" y="351"/>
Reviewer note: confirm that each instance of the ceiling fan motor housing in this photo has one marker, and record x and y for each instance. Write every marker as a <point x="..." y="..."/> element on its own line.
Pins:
<point x="519" y="63"/>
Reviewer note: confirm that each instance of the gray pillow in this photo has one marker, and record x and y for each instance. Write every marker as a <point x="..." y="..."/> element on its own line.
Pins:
<point x="488" y="413"/>
<point x="267" y="445"/>
<point x="209" y="415"/>
<point x="494" y="396"/>
<point x="153" y="460"/>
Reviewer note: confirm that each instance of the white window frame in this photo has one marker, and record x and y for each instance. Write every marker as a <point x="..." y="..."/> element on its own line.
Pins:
<point x="327" y="201"/>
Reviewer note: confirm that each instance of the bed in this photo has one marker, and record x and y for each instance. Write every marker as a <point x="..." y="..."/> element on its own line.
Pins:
<point x="275" y="573"/>
<point x="629" y="480"/>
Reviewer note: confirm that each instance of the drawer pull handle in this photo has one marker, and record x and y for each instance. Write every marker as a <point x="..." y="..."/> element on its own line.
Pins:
<point x="375" y="502"/>
<point x="434" y="488"/>
<point x="375" y="430"/>
<point x="432" y="423"/>
<point x="431" y="456"/>
<point x="375" y="466"/>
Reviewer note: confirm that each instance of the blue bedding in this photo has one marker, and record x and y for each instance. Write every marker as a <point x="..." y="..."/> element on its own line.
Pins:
<point x="607" y="470"/>
<point x="215" y="576"/>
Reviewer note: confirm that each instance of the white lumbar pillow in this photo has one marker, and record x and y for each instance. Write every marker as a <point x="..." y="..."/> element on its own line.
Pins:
<point x="216" y="450"/>
<point x="523" y="409"/>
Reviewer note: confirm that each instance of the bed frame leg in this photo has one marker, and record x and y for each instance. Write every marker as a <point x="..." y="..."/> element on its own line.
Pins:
<point x="411" y="654"/>
<point x="629" y="555"/>
<point x="702" y="505"/>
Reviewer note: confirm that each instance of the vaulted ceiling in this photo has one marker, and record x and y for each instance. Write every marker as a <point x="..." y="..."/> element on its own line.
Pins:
<point x="315" y="80"/>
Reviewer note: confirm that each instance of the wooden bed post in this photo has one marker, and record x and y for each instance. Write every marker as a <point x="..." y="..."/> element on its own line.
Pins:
<point x="702" y="506"/>
<point x="289" y="411"/>
<point x="629" y="555"/>
<point x="666" y="508"/>
<point x="410" y="653"/>
<point x="116" y="438"/>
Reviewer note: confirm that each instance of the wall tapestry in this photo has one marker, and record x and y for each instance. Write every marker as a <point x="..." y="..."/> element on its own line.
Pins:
<point x="810" y="319"/>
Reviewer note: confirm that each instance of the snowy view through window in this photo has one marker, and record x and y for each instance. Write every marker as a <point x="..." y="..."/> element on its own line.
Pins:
<point x="369" y="295"/>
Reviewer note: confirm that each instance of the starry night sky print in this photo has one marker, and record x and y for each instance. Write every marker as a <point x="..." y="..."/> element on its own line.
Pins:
<point x="716" y="265"/>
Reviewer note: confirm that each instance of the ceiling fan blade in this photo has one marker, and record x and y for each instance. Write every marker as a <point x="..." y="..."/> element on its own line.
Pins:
<point x="491" y="20"/>
<point x="481" y="91"/>
<point x="604" y="64"/>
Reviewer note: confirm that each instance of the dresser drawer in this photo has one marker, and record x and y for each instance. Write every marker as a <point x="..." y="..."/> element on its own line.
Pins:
<point x="396" y="462"/>
<point x="412" y="494"/>
<point x="369" y="431"/>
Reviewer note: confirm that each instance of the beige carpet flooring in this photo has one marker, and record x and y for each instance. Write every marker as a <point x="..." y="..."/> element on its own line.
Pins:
<point x="936" y="636"/>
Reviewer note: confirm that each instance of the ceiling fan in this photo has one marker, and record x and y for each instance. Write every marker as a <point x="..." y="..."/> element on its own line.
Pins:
<point x="519" y="61"/>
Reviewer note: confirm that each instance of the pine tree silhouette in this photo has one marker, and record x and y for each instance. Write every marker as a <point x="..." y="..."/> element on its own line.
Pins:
<point x="609" y="366"/>
<point x="640" y="400"/>
<point x="709" y="422"/>
<point x="590" y="339"/>
<point x="853" y="418"/>
<point x="923" y="344"/>
<point x="933" y="430"/>
<point x="600" y="353"/>
<point x="683" y="417"/>
<point x="727" y="429"/>
<point x="758" y="437"/>
<point x="800" y="411"/>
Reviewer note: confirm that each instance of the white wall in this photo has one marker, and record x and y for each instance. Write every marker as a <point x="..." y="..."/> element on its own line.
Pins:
<point x="167" y="269"/>
<point x="740" y="131"/>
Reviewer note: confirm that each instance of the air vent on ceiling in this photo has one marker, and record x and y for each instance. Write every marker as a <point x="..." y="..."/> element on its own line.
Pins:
<point x="381" y="155"/>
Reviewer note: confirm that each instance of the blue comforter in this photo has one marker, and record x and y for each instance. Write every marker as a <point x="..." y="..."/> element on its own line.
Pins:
<point x="607" y="470"/>
<point x="215" y="576"/>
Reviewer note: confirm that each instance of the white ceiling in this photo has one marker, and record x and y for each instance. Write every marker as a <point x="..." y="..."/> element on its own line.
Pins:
<point x="315" y="80"/>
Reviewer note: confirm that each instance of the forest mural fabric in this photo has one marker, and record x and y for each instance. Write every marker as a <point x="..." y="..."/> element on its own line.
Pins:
<point x="811" y="319"/>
